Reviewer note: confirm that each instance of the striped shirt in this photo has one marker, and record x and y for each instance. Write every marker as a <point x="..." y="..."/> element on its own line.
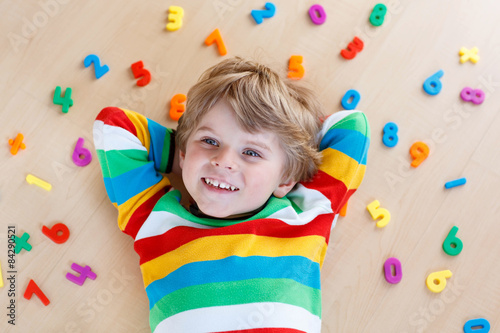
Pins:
<point x="259" y="274"/>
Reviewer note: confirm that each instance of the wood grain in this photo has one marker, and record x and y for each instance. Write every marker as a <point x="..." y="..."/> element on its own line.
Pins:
<point x="44" y="43"/>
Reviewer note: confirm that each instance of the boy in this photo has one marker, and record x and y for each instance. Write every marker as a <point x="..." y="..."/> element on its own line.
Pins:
<point x="267" y="180"/>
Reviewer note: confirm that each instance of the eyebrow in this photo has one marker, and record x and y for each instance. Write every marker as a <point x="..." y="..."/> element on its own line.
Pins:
<point x="259" y="144"/>
<point x="249" y="142"/>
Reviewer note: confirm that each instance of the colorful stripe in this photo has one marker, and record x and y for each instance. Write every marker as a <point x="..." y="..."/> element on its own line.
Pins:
<point x="239" y="292"/>
<point x="250" y="317"/>
<point x="177" y="233"/>
<point x="234" y="268"/>
<point x="243" y="245"/>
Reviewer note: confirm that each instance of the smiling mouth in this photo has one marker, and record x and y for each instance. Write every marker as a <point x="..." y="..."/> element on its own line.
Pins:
<point x="220" y="185"/>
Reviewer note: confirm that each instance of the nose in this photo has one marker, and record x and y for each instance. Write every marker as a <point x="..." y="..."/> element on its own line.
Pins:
<point x="224" y="158"/>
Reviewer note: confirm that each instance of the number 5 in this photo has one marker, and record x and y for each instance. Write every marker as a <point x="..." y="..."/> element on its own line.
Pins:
<point x="377" y="212"/>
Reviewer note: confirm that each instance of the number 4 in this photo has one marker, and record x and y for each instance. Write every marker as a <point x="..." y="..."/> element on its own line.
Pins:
<point x="65" y="101"/>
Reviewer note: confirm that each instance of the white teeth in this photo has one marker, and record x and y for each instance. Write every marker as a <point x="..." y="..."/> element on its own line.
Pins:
<point x="218" y="184"/>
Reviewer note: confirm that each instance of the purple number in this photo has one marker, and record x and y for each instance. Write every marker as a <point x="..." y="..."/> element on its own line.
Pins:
<point x="397" y="270"/>
<point x="317" y="14"/>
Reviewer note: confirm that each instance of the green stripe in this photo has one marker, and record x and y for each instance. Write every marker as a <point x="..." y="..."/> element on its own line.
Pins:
<point x="351" y="123"/>
<point x="101" y="156"/>
<point x="117" y="162"/>
<point x="165" y="154"/>
<point x="236" y="292"/>
<point x="170" y="203"/>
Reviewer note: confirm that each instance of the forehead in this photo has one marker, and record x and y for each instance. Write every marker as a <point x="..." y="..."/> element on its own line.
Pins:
<point x="222" y="120"/>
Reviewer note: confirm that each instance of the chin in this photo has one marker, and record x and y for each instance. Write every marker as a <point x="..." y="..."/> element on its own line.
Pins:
<point x="215" y="213"/>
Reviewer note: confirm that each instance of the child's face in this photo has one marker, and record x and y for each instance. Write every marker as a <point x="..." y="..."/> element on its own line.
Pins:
<point x="229" y="171"/>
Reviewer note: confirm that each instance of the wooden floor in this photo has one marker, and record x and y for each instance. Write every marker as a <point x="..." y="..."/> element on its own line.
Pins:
<point x="44" y="44"/>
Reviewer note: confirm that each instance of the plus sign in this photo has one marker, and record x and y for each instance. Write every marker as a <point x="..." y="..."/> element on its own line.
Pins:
<point x="16" y="144"/>
<point x="471" y="55"/>
<point x="22" y="243"/>
<point x="85" y="272"/>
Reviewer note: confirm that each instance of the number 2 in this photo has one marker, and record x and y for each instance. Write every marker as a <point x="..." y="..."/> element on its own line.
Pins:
<point x="259" y="15"/>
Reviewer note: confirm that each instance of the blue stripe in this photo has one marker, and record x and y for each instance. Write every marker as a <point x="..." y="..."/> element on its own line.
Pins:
<point x="348" y="142"/>
<point x="109" y="189"/>
<point x="157" y="134"/>
<point x="235" y="268"/>
<point x="125" y="186"/>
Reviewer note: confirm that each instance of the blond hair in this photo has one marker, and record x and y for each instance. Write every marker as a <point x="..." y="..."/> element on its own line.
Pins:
<point x="261" y="101"/>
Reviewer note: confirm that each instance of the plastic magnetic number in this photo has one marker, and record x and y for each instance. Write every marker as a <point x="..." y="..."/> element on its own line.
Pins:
<point x="350" y="100"/>
<point x="390" y="137"/>
<point x="378" y="14"/>
<point x="317" y="14"/>
<point x="81" y="156"/>
<point x="452" y="245"/>
<point x="432" y="85"/>
<point x="475" y="96"/>
<point x="32" y="180"/>
<point x="65" y="101"/>
<point x="398" y="273"/>
<point x="139" y="71"/>
<point x="59" y="233"/>
<point x="85" y="272"/>
<point x="479" y="325"/>
<point x="419" y="152"/>
<point x="175" y="15"/>
<point x="98" y="69"/>
<point x="352" y="49"/>
<point x="296" y="70"/>
<point x="216" y="38"/>
<point x="33" y="288"/>
<point x="436" y="282"/>
<point x="176" y="106"/>
<point x="377" y="213"/>
<point x="260" y="15"/>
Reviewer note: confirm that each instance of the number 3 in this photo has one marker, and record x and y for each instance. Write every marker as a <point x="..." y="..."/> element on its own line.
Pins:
<point x="175" y="16"/>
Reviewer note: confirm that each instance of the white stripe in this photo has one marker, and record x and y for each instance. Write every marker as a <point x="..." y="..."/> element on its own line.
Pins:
<point x="311" y="202"/>
<point x="241" y="317"/>
<point x="117" y="138"/>
<point x="308" y="199"/>
<point x="334" y="223"/>
<point x="333" y="119"/>
<point x="159" y="222"/>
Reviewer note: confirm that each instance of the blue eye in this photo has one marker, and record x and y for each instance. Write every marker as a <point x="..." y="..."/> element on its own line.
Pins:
<point x="251" y="153"/>
<point x="209" y="141"/>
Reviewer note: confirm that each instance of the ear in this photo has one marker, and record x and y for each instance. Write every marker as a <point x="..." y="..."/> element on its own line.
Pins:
<point x="284" y="188"/>
<point x="182" y="156"/>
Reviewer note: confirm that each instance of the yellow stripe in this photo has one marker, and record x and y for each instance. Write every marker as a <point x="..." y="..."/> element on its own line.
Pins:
<point x="342" y="167"/>
<point x="243" y="245"/>
<point x="141" y="125"/>
<point x="126" y="209"/>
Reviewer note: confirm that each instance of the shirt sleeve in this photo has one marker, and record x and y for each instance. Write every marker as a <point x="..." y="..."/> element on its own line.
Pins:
<point x="133" y="153"/>
<point x="345" y="138"/>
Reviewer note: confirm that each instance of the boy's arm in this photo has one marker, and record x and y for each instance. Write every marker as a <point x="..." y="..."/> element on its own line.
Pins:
<point x="133" y="151"/>
<point x="345" y="138"/>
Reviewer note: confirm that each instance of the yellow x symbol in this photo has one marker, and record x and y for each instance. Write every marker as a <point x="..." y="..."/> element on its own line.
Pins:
<point x="469" y="55"/>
